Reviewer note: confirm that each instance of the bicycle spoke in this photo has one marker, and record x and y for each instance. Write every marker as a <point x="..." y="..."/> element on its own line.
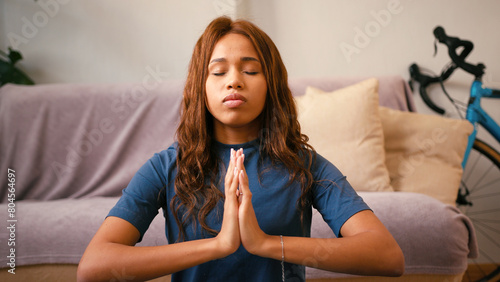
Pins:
<point x="470" y="168"/>
<point x="485" y="226"/>
<point x="486" y="220"/>
<point x="489" y="195"/>
<point x="482" y="178"/>
<point x="472" y="213"/>
<point x="487" y="257"/>
<point x="478" y="186"/>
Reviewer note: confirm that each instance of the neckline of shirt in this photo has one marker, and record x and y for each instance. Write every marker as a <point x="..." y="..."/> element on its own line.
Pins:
<point x="250" y="144"/>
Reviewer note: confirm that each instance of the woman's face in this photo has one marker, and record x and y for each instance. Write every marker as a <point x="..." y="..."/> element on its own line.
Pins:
<point x="236" y="86"/>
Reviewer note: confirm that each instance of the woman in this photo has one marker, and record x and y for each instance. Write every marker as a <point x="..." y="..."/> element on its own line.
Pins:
<point x="237" y="187"/>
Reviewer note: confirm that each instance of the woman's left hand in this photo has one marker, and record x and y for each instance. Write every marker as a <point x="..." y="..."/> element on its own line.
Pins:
<point x="252" y="237"/>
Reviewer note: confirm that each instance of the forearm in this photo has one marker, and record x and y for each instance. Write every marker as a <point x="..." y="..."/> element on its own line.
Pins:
<point x="108" y="261"/>
<point x="367" y="253"/>
<point x="112" y="255"/>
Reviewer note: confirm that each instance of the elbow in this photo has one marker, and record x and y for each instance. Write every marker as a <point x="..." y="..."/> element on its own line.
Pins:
<point x="397" y="269"/>
<point x="87" y="272"/>
<point x="84" y="273"/>
<point x="395" y="265"/>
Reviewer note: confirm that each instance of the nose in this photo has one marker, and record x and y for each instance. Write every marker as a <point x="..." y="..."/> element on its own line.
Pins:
<point x="234" y="81"/>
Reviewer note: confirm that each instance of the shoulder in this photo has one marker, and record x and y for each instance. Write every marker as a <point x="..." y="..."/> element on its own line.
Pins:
<point x="160" y="167"/>
<point x="169" y="153"/>
<point x="321" y="168"/>
<point x="165" y="158"/>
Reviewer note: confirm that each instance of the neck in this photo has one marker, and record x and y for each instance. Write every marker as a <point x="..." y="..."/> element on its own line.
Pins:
<point x="236" y="134"/>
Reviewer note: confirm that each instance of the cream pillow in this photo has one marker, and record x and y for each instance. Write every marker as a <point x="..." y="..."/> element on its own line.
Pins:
<point x="344" y="127"/>
<point x="424" y="152"/>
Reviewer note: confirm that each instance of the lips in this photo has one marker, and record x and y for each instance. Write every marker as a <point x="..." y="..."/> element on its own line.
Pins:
<point x="234" y="100"/>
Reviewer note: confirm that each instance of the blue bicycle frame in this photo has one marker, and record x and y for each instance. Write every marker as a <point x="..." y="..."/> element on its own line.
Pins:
<point x="476" y="115"/>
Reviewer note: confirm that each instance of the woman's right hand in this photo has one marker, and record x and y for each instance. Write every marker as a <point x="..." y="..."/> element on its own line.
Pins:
<point x="228" y="238"/>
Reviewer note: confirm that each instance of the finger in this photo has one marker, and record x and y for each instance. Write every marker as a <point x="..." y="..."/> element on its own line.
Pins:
<point x="243" y="183"/>
<point x="231" y="161"/>
<point x="244" y="188"/>
<point x="233" y="185"/>
<point x="239" y="164"/>
<point x="241" y="161"/>
<point x="237" y="154"/>
<point x="241" y="177"/>
<point x="240" y="192"/>
<point x="236" y="162"/>
<point x="230" y="175"/>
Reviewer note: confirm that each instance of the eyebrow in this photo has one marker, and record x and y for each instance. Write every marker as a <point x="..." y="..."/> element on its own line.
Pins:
<point x="244" y="59"/>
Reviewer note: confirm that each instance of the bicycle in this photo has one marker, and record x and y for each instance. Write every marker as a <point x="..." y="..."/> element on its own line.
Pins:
<point x="481" y="163"/>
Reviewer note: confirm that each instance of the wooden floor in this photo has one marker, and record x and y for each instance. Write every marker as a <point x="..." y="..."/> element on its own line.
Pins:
<point x="474" y="273"/>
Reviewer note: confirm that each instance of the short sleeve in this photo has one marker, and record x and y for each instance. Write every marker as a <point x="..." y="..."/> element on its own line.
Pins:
<point x="333" y="195"/>
<point x="140" y="201"/>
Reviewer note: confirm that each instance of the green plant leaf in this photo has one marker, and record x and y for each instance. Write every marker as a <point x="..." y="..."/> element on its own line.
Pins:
<point x="10" y="74"/>
<point x="14" y="56"/>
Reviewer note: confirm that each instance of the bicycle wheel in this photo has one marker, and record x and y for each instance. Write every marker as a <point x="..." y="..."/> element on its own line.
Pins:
<point x="479" y="198"/>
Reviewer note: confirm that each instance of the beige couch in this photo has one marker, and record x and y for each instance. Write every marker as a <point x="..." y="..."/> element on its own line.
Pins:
<point x="74" y="147"/>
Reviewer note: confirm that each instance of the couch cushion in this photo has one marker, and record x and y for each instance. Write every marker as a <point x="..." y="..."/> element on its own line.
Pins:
<point x="344" y="127"/>
<point x="424" y="153"/>
<point x="59" y="231"/>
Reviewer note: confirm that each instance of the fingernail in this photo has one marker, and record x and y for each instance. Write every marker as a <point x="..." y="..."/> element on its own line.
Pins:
<point x="232" y="153"/>
<point x="235" y="170"/>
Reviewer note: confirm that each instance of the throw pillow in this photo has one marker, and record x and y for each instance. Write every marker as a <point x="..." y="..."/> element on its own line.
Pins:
<point x="424" y="152"/>
<point x="344" y="127"/>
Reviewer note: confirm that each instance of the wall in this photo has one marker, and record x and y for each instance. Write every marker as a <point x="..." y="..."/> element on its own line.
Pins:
<point x="110" y="41"/>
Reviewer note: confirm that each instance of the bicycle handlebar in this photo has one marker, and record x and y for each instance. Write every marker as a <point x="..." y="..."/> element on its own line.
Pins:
<point x="425" y="81"/>
<point x="453" y="43"/>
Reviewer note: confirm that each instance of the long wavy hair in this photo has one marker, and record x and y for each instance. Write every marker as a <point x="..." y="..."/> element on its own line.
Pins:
<point x="280" y="136"/>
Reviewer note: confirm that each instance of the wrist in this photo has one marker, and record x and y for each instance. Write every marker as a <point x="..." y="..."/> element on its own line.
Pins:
<point x="270" y="247"/>
<point x="220" y="249"/>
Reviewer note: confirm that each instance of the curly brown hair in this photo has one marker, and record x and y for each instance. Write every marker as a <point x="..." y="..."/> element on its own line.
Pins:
<point x="280" y="136"/>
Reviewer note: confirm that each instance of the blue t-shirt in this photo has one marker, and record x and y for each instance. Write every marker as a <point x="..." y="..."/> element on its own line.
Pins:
<point x="274" y="200"/>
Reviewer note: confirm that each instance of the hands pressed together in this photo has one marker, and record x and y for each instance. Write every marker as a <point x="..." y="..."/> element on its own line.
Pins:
<point x="239" y="224"/>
